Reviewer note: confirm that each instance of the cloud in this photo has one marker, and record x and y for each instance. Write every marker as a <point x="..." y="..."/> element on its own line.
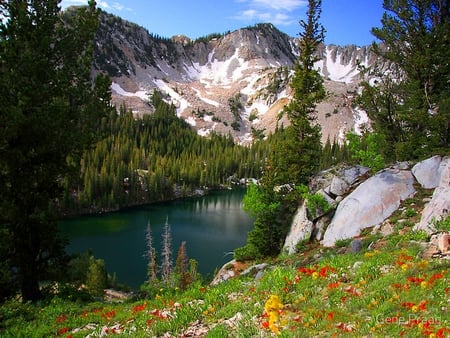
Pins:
<point x="283" y="5"/>
<point x="103" y="4"/>
<point x="278" y="12"/>
<point x="261" y="16"/>
<point x="118" y="6"/>
<point x="67" y="3"/>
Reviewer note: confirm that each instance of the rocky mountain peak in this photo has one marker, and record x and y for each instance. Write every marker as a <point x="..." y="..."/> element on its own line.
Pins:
<point x="236" y="82"/>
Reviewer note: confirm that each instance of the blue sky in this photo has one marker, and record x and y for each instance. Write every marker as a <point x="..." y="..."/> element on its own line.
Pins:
<point x="346" y="21"/>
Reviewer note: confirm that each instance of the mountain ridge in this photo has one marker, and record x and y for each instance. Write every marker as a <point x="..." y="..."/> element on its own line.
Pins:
<point x="237" y="82"/>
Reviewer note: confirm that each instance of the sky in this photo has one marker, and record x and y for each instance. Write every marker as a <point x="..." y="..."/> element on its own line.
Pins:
<point x="345" y="21"/>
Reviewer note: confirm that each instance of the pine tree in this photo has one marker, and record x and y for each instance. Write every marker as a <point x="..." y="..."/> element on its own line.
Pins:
<point x="307" y="84"/>
<point x="49" y="112"/>
<point x="151" y="256"/>
<point x="166" y="255"/>
<point x="410" y="105"/>
<point x="181" y="267"/>
<point x="296" y="151"/>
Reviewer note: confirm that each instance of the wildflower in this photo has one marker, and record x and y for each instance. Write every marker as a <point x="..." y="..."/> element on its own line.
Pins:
<point x="139" y="308"/>
<point x="408" y="305"/>
<point x="61" y="319"/>
<point x="63" y="330"/>
<point x="424" y="284"/>
<point x="415" y="280"/>
<point x="306" y="271"/>
<point x="404" y="267"/>
<point x="315" y="275"/>
<point x="272" y="308"/>
<point x="422" y="305"/>
<point x="330" y="315"/>
<point x="345" y="327"/>
<point x="436" y="276"/>
<point x="333" y="285"/>
<point x="109" y="315"/>
<point x="323" y="272"/>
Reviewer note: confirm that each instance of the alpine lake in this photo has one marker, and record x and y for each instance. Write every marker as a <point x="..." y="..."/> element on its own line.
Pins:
<point x="212" y="227"/>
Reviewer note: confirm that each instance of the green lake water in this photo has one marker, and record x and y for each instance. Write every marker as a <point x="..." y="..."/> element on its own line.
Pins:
<point x="212" y="226"/>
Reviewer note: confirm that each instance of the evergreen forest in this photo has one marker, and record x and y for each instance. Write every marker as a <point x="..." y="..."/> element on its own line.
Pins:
<point x="156" y="158"/>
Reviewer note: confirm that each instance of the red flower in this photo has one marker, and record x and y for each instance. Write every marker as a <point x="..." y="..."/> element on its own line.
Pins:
<point x="436" y="276"/>
<point x="324" y="271"/>
<point x="441" y="332"/>
<point x="407" y="304"/>
<point x="139" y="308"/>
<point x="344" y="327"/>
<point x="330" y="315"/>
<point x="265" y="324"/>
<point x="351" y="290"/>
<point x="63" y="330"/>
<point x="333" y="285"/>
<point x="109" y="315"/>
<point x="306" y="271"/>
<point x="415" y="280"/>
<point x="61" y="319"/>
<point x="422" y="305"/>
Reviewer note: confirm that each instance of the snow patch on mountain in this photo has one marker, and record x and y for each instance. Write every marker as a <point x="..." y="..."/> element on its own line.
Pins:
<point x="205" y="99"/>
<point x="176" y="99"/>
<point x="142" y="94"/>
<point x="222" y="73"/>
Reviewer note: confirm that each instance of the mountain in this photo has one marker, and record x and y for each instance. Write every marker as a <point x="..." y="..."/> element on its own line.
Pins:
<point x="228" y="83"/>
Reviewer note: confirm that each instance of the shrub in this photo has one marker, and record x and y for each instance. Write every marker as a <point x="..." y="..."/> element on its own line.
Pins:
<point x="246" y="252"/>
<point x="97" y="278"/>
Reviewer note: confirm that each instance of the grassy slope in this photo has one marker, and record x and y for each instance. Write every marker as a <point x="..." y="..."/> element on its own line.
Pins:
<point x="389" y="291"/>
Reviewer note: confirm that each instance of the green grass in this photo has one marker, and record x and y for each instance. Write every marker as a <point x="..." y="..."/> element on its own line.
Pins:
<point x="386" y="292"/>
<point x="372" y="293"/>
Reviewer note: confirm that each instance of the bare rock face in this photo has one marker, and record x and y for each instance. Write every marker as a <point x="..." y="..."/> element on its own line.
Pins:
<point x="369" y="204"/>
<point x="427" y="172"/>
<point x="253" y="64"/>
<point x="439" y="206"/>
<point x="301" y="229"/>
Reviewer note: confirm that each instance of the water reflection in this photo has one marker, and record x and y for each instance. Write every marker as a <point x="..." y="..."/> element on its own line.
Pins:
<point x="212" y="226"/>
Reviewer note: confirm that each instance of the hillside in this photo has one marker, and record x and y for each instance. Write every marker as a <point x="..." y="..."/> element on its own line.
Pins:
<point x="391" y="286"/>
<point x="391" y="279"/>
<point x="232" y="83"/>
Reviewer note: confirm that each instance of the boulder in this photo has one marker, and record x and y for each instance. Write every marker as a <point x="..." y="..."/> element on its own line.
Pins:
<point x="353" y="174"/>
<point x="369" y="204"/>
<point x="439" y="206"/>
<point x="427" y="172"/>
<point x="338" y="186"/>
<point x="301" y="229"/>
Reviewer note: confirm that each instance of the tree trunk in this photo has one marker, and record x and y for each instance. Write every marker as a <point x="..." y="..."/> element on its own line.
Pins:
<point x="30" y="284"/>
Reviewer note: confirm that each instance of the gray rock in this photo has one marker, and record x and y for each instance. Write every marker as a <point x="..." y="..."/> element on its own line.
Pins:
<point x="355" y="246"/>
<point x="259" y="275"/>
<point x="427" y="172"/>
<point x="338" y="186"/>
<point x="320" y="226"/>
<point x="301" y="229"/>
<point x="353" y="174"/>
<point x="369" y="204"/>
<point x="439" y="206"/>
<point x="254" y="269"/>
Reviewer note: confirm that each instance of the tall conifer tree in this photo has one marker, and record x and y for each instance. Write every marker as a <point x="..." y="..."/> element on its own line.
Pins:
<point x="49" y="109"/>
<point x="304" y="147"/>
<point x="410" y="105"/>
